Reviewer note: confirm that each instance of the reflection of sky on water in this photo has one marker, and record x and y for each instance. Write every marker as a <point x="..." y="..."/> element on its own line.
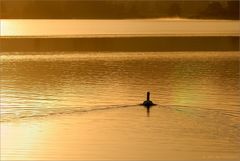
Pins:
<point x="118" y="27"/>
<point x="41" y="86"/>
<point x="197" y="115"/>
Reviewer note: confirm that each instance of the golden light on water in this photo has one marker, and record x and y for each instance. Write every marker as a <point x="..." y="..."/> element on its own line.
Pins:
<point x="152" y="27"/>
<point x="74" y="76"/>
<point x="61" y="106"/>
<point x="20" y="139"/>
<point x="9" y="28"/>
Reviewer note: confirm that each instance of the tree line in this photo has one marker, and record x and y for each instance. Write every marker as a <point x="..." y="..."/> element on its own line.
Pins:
<point x="118" y="9"/>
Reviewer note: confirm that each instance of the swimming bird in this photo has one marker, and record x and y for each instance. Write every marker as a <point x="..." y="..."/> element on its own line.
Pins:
<point x="148" y="103"/>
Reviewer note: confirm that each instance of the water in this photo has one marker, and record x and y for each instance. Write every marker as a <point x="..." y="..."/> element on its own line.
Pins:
<point x="116" y="28"/>
<point x="197" y="95"/>
<point x="33" y="85"/>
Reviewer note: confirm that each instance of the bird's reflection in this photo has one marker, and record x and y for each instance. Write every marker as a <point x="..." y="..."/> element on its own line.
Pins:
<point x="148" y="104"/>
<point x="148" y="110"/>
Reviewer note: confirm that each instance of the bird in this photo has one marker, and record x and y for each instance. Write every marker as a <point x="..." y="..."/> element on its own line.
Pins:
<point x="148" y="103"/>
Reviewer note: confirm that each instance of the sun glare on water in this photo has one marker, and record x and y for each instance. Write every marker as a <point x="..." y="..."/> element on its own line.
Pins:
<point x="152" y="27"/>
<point x="8" y="28"/>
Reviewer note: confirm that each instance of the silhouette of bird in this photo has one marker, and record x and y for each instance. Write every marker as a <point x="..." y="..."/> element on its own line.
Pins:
<point x="148" y="103"/>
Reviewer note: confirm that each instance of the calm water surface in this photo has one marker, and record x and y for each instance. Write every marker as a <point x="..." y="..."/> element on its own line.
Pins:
<point x="137" y="27"/>
<point x="197" y="94"/>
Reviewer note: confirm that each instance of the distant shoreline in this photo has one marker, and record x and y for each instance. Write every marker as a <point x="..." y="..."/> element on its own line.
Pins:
<point x="122" y="35"/>
<point x="120" y="9"/>
<point x="122" y="44"/>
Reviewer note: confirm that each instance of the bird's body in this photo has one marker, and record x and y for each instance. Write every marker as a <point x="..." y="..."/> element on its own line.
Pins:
<point x="148" y="103"/>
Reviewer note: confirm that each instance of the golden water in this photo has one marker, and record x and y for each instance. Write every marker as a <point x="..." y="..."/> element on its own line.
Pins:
<point x="86" y="106"/>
